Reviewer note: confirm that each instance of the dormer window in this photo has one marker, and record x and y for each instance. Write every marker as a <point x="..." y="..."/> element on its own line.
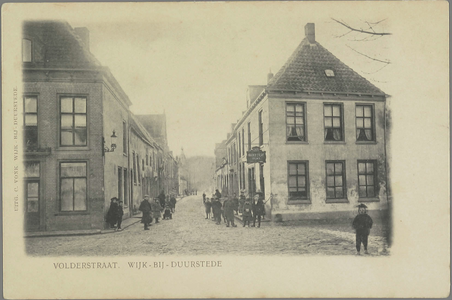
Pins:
<point x="26" y="50"/>
<point x="329" y="73"/>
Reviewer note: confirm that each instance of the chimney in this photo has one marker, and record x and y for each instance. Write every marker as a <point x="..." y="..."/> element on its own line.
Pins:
<point x="83" y="33"/>
<point x="269" y="76"/>
<point x="309" y="31"/>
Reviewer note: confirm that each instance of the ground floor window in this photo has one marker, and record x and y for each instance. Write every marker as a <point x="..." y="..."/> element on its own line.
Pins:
<point x="298" y="180"/>
<point x="367" y="178"/>
<point x="73" y="192"/>
<point x="335" y="180"/>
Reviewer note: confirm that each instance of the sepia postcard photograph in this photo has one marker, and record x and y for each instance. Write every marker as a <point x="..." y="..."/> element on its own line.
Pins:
<point x="225" y="150"/>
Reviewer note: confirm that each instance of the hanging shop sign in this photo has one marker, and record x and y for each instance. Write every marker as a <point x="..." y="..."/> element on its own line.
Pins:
<point x="256" y="155"/>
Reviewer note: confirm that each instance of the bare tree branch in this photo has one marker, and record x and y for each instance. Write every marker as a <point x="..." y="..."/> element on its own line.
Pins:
<point x="361" y="30"/>
<point x="339" y="36"/>
<point x="373" y="58"/>
<point x="378" y="70"/>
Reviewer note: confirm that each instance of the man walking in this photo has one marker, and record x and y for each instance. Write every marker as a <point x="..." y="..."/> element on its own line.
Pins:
<point x="229" y="212"/>
<point x="145" y="208"/>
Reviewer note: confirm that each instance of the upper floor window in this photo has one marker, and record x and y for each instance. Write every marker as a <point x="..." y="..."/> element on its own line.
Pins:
<point x="26" y="50"/>
<point x="30" y="122"/>
<point x="261" y="129"/>
<point x="295" y="120"/>
<point x="333" y="122"/>
<point x="124" y="137"/>
<point x="249" y="136"/>
<point x="73" y="130"/>
<point x="364" y="123"/>
<point x="243" y="141"/>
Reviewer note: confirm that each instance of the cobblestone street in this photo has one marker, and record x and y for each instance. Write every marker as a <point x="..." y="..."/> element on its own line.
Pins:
<point x="189" y="233"/>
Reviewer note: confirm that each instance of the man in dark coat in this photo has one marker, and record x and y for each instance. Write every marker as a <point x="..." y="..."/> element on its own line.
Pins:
<point x="216" y="207"/>
<point x="217" y="194"/>
<point x="162" y="198"/>
<point x="229" y="212"/>
<point x="203" y="197"/>
<point x="112" y="214"/>
<point x="258" y="208"/>
<point x="156" y="210"/>
<point x="241" y="200"/>
<point x="247" y="212"/>
<point x="173" y="203"/>
<point x="362" y="224"/>
<point x="145" y="208"/>
<point x="235" y="201"/>
<point x="120" y="214"/>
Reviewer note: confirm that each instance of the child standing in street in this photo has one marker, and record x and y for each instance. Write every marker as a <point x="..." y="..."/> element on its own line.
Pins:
<point x="208" y="206"/>
<point x="362" y="224"/>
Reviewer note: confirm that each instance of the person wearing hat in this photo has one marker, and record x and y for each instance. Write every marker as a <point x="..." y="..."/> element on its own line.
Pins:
<point x="258" y="208"/>
<point x="362" y="224"/>
<point x="241" y="201"/>
<point x="145" y="208"/>
<point x="216" y="208"/>
<point x="156" y="209"/>
<point x="247" y="214"/>
<point x="229" y="212"/>
<point x="112" y="214"/>
<point x="120" y="214"/>
<point x="235" y="201"/>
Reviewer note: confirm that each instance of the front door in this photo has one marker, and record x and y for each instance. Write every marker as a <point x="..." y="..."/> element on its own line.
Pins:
<point x="32" y="205"/>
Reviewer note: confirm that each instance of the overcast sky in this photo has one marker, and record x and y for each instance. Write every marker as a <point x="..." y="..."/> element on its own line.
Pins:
<point x="195" y="61"/>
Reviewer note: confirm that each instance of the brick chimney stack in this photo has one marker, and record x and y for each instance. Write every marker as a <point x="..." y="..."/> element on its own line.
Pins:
<point x="269" y="76"/>
<point x="309" y="31"/>
<point x="83" y="33"/>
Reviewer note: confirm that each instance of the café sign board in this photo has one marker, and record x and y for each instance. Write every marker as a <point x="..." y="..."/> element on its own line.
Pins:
<point x="256" y="155"/>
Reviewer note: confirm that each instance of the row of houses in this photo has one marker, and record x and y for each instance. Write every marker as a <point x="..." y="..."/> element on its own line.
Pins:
<point x="82" y="144"/>
<point x="313" y="140"/>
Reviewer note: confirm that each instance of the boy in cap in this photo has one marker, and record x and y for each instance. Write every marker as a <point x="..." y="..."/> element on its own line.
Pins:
<point x="362" y="224"/>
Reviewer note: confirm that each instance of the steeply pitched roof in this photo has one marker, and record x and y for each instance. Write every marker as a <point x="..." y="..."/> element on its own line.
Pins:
<point x="57" y="45"/>
<point x="304" y="71"/>
<point x="155" y="124"/>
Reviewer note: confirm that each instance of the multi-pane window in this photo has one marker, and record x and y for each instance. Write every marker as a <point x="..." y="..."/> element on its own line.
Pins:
<point x="261" y="129"/>
<point x="126" y="190"/>
<point x="367" y="178"/>
<point x="364" y="123"/>
<point x="335" y="180"/>
<point x="26" y="50"/>
<point x="333" y="122"/>
<point x="243" y="141"/>
<point x="295" y="120"/>
<point x="298" y="180"/>
<point x="249" y="136"/>
<point x="134" y="169"/>
<point x="138" y="170"/>
<point x="73" y="131"/>
<point x="73" y="186"/>
<point x="32" y="173"/>
<point x="30" y="122"/>
<point x="239" y="144"/>
<point x="124" y="137"/>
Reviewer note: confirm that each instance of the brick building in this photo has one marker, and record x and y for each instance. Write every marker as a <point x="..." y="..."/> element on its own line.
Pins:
<point x="82" y="145"/>
<point x="322" y="127"/>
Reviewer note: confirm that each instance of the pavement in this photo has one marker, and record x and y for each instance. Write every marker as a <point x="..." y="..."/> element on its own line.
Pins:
<point x="125" y="224"/>
<point x="189" y="233"/>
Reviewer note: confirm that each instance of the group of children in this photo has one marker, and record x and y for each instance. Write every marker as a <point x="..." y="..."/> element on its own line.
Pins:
<point x="250" y="209"/>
